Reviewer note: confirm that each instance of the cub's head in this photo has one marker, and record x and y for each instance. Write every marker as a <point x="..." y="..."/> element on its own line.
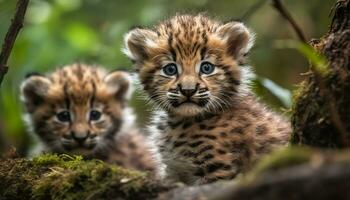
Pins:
<point x="190" y="65"/>
<point x="76" y="109"/>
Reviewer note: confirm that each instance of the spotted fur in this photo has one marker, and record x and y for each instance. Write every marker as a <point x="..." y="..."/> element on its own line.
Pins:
<point x="212" y="126"/>
<point x="82" y="110"/>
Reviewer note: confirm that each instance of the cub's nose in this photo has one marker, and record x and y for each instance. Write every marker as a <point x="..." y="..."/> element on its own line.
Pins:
<point x="188" y="91"/>
<point x="80" y="137"/>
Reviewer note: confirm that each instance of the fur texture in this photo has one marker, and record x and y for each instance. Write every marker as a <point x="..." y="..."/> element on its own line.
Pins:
<point x="212" y="126"/>
<point x="82" y="110"/>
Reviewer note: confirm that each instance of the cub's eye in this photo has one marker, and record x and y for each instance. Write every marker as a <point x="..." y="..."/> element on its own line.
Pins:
<point x="207" y="68"/>
<point x="63" y="116"/>
<point x="95" y="115"/>
<point x="170" y="69"/>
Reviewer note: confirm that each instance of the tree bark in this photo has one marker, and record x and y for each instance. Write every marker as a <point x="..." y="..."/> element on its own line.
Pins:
<point x="321" y="115"/>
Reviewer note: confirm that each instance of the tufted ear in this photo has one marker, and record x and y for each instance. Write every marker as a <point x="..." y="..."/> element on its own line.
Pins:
<point x="119" y="84"/>
<point x="34" y="89"/>
<point x="137" y="42"/>
<point x="238" y="38"/>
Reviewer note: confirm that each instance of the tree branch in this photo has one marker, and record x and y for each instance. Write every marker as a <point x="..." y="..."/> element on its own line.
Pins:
<point x="286" y="14"/>
<point x="16" y="25"/>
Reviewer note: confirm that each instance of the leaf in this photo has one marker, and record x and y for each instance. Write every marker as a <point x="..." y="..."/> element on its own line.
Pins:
<point x="284" y="95"/>
<point x="318" y="61"/>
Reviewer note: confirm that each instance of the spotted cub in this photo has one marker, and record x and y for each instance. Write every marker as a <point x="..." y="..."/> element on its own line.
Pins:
<point x="82" y="110"/>
<point x="213" y="127"/>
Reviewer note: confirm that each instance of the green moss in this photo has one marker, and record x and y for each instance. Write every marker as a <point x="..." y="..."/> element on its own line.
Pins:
<point x="279" y="159"/>
<point x="299" y="91"/>
<point x="54" y="159"/>
<point x="284" y="158"/>
<point x="52" y="176"/>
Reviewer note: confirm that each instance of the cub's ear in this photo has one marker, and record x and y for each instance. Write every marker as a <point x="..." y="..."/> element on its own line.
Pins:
<point x="137" y="42"/>
<point x="119" y="84"/>
<point x="238" y="38"/>
<point x="34" y="89"/>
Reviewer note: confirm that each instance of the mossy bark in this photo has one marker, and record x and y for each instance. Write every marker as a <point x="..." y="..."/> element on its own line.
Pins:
<point x="314" y="122"/>
<point x="65" y="177"/>
<point x="294" y="173"/>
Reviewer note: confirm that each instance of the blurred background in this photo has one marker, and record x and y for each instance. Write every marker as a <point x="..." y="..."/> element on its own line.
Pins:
<point x="60" y="32"/>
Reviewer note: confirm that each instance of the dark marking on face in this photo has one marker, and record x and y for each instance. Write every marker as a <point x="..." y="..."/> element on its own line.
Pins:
<point x="203" y="52"/>
<point x="172" y="50"/>
<point x="66" y="96"/>
<point x="93" y="96"/>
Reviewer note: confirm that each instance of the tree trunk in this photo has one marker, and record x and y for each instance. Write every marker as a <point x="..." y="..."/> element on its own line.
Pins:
<point x="312" y="118"/>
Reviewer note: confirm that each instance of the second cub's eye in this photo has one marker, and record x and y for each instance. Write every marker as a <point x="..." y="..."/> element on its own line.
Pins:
<point x="170" y="69"/>
<point x="63" y="116"/>
<point x="207" y="68"/>
<point x="95" y="115"/>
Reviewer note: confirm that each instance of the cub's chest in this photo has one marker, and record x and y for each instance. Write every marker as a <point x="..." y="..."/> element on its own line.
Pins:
<point x="187" y="144"/>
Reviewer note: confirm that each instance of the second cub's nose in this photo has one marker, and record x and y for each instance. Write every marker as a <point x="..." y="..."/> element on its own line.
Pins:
<point x="80" y="137"/>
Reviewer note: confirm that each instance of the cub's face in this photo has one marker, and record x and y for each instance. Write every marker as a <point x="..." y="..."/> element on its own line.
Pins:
<point x="76" y="109"/>
<point x="189" y="65"/>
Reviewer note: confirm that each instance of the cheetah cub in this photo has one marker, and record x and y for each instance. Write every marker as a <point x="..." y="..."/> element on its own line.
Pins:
<point x="213" y="127"/>
<point x="82" y="110"/>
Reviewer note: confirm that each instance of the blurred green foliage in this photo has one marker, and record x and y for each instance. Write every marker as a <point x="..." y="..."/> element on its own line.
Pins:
<point x="59" y="32"/>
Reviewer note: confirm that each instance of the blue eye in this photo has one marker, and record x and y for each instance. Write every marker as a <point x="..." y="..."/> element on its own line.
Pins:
<point x="95" y="115"/>
<point x="170" y="69"/>
<point x="207" y="68"/>
<point x="63" y="116"/>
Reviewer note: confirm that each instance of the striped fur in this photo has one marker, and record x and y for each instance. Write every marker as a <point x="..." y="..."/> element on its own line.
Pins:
<point x="212" y="127"/>
<point x="79" y="90"/>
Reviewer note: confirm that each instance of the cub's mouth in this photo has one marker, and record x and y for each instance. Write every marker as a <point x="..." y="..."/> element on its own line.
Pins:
<point x="77" y="147"/>
<point x="190" y="103"/>
<point x="186" y="102"/>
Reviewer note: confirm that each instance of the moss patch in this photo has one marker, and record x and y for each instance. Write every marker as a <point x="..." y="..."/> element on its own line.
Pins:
<point x="66" y="177"/>
<point x="279" y="159"/>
